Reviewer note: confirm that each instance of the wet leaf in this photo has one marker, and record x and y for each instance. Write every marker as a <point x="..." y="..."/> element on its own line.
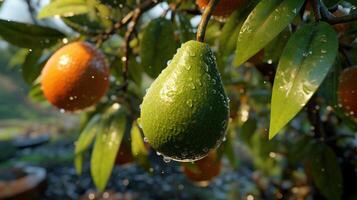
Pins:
<point x="230" y="31"/>
<point x="264" y="23"/>
<point x="306" y="60"/>
<point x="185" y="28"/>
<point x="247" y="130"/>
<point x="106" y="147"/>
<point x="274" y="49"/>
<point x="85" y="140"/>
<point x="138" y="148"/>
<point x="32" y="66"/>
<point x="157" y="46"/>
<point x="326" y="172"/>
<point x="64" y="8"/>
<point x="29" y="35"/>
<point x="36" y="94"/>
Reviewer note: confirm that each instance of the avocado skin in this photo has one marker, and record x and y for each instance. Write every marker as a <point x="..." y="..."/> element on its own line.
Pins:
<point x="185" y="111"/>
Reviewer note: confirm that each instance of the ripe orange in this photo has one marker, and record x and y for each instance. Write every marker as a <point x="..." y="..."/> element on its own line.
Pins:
<point x="75" y="76"/>
<point x="207" y="168"/>
<point x="224" y="7"/>
<point x="347" y="90"/>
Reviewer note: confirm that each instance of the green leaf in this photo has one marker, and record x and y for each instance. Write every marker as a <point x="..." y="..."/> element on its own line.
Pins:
<point x="85" y="140"/>
<point x="273" y="51"/>
<point x="229" y="35"/>
<point x="36" y="94"/>
<point x="31" y="68"/>
<point x="105" y="149"/>
<point x="331" y="3"/>
<point x="138" y="148"/>
<point x="29" y="35"/>
<point x="157" y="46"/>
<point x="264" y="23"/>
<point x="230" y="31"/>
<point x="247" y="130"/>
<point x="185" y="28"/>
<point x="64" y="8"/>
<point x="326" y="172"/>
<point x="135" y="71"/>
<point x="306" y="60"/>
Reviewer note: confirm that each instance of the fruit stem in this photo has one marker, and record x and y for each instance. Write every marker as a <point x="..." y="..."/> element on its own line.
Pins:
<point x="205" y="19"/>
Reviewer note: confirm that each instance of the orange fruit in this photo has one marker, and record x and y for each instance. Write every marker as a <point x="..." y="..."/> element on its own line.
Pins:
<point x="205" y="169"/>
<point x="124" y="155"/>
<point x="347" y="90"/>
<point x="75" y="76"/>
<point x="224" y="7"/>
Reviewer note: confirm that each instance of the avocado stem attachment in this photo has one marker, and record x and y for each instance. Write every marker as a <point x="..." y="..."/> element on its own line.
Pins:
<point x="205" y="19"/>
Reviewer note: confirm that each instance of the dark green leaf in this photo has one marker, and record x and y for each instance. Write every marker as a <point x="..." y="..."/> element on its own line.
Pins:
<point x="274" y="49"/>
<point x="106" y="147"/>
<point x="247" y="130"/>
<point x="85" y="140"/>
<point x="29" y="35"/>
<point x="185" y="28"/>
<point x="264" y="23"/>
<point x="64" y="8"/>
<point x="138" y="148"/>
<point x="157" y="46"/>
<point x="306" y="60"/>
<point x="36" y="94"/>
<point x="31" y="68"/>
<point x="326" y="172"/>
<point x="230" y="31"/>
<point x="229" y="34"/>
<point x="331" y="3"/>
<point x="135" y="71"/>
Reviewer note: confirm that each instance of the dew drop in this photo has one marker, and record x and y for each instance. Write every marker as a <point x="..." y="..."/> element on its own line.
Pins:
<point x="189" y="103"/>
<point x="167" y="159"/>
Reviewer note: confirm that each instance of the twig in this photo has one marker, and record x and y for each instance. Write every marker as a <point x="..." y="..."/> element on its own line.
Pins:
<point x="144" y="6"/>
<point x="128" y="35"/>
<point x="174" y="7"/>
<point x="316" y="8"/>
<point x="201" y="31"/>
<point x="31" y="11"/>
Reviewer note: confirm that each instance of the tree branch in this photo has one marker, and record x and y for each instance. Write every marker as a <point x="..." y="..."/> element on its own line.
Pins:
<point x="201" y="31"/>
<point x="128" y="35"/>
<point x="143" y="7"/>
<point x="316" y="8"/>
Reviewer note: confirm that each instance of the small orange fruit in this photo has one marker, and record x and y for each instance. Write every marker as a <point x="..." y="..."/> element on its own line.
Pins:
<point x="207" y="168"/>
<point x="347" y="90"/>
<point x="124" y="155"/>
<point x="75" y="76"/>
<point x="224" y="7"/>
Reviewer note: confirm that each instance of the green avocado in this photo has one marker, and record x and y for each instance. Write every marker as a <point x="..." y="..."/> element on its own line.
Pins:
<point x="185" y="111"/>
